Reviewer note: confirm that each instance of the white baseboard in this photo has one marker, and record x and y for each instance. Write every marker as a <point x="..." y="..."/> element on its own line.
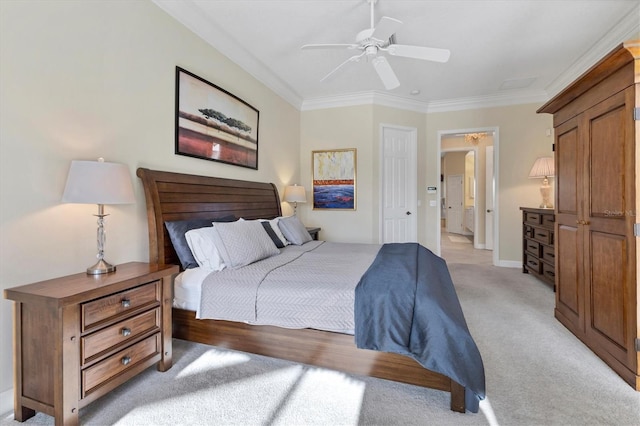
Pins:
<point x="510" y="264"/>
<point x="6" y="402"/>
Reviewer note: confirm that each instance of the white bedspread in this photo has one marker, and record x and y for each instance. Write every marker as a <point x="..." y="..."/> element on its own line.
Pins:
<point x="308" y="286"/>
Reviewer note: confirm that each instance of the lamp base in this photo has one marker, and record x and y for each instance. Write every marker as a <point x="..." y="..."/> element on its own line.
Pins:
<point x="545" y="191"/>
<point x="101" y="267"/>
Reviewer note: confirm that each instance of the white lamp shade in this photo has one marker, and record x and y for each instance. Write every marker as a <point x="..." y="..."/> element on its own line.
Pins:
<point x="295" y="194"/>
<point x="97" y="182"/>
<point x="543" y="167"/>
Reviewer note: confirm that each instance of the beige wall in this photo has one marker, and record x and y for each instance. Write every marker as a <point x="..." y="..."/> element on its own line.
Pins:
<point x="81" y="80"/>
<point x="354" y="127"/>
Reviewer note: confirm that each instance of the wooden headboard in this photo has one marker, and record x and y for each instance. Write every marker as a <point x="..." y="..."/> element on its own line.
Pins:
<point x="178" y="196"/>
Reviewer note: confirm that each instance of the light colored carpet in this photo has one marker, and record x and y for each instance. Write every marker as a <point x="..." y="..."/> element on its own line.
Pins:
<point x="459" y="239"/>
<point x="537" y="374"/>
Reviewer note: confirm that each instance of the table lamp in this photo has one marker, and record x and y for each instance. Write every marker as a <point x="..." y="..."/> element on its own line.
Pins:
<point x="295" y="194"/>
<point x="544" y="168"/>
<point x="99" y="182"/>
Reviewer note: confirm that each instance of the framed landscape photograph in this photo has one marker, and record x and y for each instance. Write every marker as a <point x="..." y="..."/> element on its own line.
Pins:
<point x="334" y="179"/>
<point x="213" y="124"/>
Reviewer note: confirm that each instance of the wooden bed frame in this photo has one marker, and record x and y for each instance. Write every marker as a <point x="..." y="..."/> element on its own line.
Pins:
<point x="177" y="196"/>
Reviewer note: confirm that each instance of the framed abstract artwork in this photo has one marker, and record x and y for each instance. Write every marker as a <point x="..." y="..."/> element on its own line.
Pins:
<point x="334" y="179"/>
<point x="213" y="124"/>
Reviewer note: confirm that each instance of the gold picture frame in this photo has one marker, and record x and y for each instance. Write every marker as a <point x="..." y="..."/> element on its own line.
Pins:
<point x="334" y="179"/>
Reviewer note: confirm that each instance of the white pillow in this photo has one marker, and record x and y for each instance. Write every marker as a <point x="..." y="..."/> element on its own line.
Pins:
<point x="294" y="231"/>
<point x="203" y="248"/>
<point x="243" y="242"/>
<point x="276" y="229"/>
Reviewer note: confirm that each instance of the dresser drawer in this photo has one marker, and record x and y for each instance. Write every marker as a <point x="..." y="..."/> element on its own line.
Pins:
<point x="534" y="218"/>
<point x="96" y="343"/>
<point x="106" y="308"/>
<point x="548" y="220"/>
<point x="118" y="363"/>
<point x="548" y="254"/>
<point x="532" y="247"/>
<point x="549" y="272"/>
<point x="545" y="236"/>
<point x="533" y="264"/>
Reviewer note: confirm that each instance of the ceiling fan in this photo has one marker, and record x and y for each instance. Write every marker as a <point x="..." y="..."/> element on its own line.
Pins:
<point x="381" y="38"/>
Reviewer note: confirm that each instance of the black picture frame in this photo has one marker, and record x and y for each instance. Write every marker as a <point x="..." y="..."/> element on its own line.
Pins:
<point x="213" y="124"/>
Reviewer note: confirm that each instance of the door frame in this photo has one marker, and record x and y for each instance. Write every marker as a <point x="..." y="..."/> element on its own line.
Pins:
<point x="496" y="179"/>
<point x="414" y="179"/>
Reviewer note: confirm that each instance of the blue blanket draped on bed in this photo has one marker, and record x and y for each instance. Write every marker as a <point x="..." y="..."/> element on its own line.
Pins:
<point x="406" y="304"/>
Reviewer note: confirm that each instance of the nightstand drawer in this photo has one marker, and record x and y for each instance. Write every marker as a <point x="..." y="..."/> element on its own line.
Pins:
<point x="116" y="364"/>
<point x="105" y="308"/>
<point x="96" y="343"/>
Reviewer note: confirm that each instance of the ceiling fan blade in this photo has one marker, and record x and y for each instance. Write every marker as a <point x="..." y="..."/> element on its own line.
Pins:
<point x="385" y="72"/>
<point x="419" y="52"/>
<point x="330" y="46"/>
<point x="355" y="58"/>
<point x="385" y="28"/>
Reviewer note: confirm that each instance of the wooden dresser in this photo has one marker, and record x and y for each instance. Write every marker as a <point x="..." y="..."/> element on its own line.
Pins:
<point x="78" y="337"/>
<point x="597" y="141"/>
<point x="538" y="252"/>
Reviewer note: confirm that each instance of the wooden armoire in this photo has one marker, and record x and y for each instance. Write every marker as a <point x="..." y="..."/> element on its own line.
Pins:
<point x="597" y="155"/>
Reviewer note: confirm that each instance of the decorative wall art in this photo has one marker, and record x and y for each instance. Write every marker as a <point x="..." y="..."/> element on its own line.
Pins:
<point x="334" y="179"/>
<point x="213" y="124"/>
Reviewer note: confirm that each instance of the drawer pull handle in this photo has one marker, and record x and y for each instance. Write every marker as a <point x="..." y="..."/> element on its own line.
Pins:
<point x="541" y="235"/>
<point x="126" y="303"/>
<point x="125" y="332"/>
<point x="125" y="360"/>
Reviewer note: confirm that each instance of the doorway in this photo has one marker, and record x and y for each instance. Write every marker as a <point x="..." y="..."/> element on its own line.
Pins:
<point x="479" y="207"/>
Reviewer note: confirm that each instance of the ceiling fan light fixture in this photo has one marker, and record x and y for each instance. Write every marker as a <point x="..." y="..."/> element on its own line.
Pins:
<point x="381" y="37"/>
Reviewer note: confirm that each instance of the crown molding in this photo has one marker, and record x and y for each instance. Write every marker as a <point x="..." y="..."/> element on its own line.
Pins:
<point x="384" y="99"/>
<point x="489" y="101"/>
<point x="627" y="28"/>
<point x="191" y="16"/>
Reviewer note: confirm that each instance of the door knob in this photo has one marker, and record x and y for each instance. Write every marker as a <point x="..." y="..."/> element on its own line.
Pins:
<point x="489" y="210"/>
<point x="408" y="213"/>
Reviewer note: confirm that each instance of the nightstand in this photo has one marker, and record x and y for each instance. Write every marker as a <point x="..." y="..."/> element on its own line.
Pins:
<point x="313" y="232"/>
<point x="78" y="337"/>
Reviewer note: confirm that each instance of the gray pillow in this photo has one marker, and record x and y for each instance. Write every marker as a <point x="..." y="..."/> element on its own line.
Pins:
<point x="293" y="230"/>
<point x="243" y="242"/>
<point x="177" y="229"/>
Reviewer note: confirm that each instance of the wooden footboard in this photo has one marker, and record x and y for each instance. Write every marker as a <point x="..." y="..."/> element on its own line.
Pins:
<point x="318" y="348"/>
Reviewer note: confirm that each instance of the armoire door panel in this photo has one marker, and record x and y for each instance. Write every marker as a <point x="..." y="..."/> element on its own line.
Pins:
<point x="569" y="294"/>
<point x="609" y="269"/>
<point x="567" y="169"/>
<point x="607" y="163"/>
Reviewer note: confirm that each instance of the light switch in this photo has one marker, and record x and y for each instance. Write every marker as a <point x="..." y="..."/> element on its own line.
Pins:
<point x="433" y="203"/>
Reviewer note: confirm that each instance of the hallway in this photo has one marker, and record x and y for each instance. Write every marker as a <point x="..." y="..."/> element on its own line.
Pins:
<point x="456" y="248"/>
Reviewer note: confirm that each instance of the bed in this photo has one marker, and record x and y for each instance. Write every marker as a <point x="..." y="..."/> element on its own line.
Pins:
<point x="176" y="196"/>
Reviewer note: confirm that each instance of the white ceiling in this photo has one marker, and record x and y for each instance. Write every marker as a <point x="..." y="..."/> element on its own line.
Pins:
<point x="493" y="44"/>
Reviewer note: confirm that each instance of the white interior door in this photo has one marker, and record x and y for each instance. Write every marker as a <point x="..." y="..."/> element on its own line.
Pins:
<point x="455" y="199"/>
<point x="490" y="199"/>
<point x="398" y="186"/>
